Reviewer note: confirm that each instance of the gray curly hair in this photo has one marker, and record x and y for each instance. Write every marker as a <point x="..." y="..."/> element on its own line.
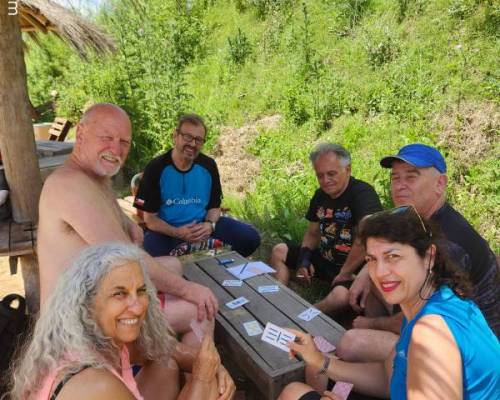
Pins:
<point x="68" y="326"/>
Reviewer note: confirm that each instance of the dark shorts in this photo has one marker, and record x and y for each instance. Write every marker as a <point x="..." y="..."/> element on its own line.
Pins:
<point x="324" y="269"/>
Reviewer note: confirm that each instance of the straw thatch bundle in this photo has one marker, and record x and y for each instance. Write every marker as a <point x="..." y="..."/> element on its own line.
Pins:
<point x="45" y="16"/>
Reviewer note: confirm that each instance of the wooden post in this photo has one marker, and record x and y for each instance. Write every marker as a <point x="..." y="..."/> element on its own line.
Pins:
<point x="17" y="142"/>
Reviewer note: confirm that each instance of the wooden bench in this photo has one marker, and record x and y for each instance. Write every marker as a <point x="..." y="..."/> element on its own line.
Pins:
<point x="268" y="367"/>
<point x="59" y="129"/>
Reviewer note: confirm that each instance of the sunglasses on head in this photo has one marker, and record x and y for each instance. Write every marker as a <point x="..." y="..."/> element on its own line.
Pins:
<point x="404" y="209"/>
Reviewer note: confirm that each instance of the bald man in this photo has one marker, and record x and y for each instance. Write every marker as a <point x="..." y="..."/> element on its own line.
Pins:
<point x="78" y="208"/>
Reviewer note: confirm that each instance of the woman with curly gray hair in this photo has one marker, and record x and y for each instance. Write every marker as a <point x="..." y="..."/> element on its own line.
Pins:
<point x="104" y="305"/>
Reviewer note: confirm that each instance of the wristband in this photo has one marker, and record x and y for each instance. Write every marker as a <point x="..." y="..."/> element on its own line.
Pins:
<point x="304" y="259"/>
<point x="324" y="367"/>
<point x="212" y="224"/>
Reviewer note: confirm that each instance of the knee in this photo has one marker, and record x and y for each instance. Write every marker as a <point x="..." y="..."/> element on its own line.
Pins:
<point x="339" y="295"/>
<point x="279" y="252"/>
<point x="294" y="391"/>
<point x="347" y="347"/>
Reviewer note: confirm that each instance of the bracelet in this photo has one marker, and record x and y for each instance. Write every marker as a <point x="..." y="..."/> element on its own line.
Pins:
<point x="212" y="224"/>
<point x="324" y="367"/>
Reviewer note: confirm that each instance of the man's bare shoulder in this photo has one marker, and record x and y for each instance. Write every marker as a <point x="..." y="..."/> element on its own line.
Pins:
<point x="67" y="181"/>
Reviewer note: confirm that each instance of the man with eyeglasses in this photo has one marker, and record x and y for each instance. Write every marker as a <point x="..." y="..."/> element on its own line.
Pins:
<point x="418" y="178"/>
<point x="180" y="194"/>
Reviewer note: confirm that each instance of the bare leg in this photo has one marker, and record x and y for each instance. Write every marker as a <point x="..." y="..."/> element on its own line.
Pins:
<point x="278" y="258"/>
<point x="335" y="302"/>
<point x="179" y="314"/>
<point x="171" y="263"/>
<point x="156" y="381"/>
<point x="294" y="390"/>
<point x="366" y="345"/>
<point x="375" y="305"/>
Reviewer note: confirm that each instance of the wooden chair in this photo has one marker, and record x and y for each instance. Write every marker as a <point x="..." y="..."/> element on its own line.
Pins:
<point x="59" y="129"/>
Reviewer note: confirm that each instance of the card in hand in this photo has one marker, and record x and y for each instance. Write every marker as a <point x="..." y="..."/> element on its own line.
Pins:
<point x="197" y="329"/>
<point x="277" y="336"/>
<point x="237" y="303"/>
<point x="323" y="345"/>
<point x="253" y="328"/>
<point x="342" y="389"/>
<point x="309" y="314"/>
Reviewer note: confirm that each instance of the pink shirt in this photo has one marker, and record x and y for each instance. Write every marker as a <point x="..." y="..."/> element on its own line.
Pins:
<point x="126" y="377"/>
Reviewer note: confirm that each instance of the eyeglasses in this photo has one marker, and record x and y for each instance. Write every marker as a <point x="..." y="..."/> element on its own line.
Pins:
<point x="411" y="207"/>
<point x="189" y="138"/>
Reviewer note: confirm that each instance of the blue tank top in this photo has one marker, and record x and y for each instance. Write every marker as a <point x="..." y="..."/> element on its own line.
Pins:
<point x="478" y="346"/>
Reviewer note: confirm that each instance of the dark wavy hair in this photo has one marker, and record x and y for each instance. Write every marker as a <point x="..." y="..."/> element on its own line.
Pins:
<point x="404" y="225"/>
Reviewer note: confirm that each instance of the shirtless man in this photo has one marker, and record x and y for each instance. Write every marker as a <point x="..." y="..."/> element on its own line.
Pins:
<point x="78" y="208"/>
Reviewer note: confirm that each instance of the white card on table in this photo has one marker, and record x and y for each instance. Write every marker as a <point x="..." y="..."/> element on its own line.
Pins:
<point x="323" y="345"/>
<point x="232" y="282"/>
<point x="342" y="389"/>
<point x="253" y="328"/>
<point x="268" y="288"/>
<point x="237" y="303"/>
<point x="309" y="314"/>
<point x="277" y="336"/>
<point x="250" y="269"/>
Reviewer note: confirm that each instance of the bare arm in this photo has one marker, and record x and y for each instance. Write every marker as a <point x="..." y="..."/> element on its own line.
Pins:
<point x="156" y="224"/>
<point x="368" y="378"/>
<point x="434" y="362"/>
<point x="312" y="235"/>
<point x="95" y="384"/>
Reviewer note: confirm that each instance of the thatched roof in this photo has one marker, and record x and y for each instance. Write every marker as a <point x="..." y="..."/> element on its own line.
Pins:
<point x="46" y="16"/>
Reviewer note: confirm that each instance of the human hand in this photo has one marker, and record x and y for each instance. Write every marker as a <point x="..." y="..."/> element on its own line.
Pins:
<point x="207" y="361"/>
<point x="306" y="273"/>
<point x="184" y="232"/>
<point x="225" y="384"/>
<point x="200" y="232"/>
<point x="342" y="277"/>
<point x="362" y="322"/>
<point x="359" y="291"/>
<point x="305" y="347"/>
<point x="203" y="298"/>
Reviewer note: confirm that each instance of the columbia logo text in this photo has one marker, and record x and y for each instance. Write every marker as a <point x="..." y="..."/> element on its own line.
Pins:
<point x="12" y="7"/>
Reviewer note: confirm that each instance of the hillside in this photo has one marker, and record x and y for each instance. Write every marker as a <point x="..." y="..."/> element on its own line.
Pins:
<point x="370" y="74"/>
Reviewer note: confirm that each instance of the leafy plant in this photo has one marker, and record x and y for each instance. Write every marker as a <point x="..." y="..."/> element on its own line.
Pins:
<point x="239" y="48"/>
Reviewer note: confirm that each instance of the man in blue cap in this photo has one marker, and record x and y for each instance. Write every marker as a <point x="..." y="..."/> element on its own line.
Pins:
<point x="418" y="177"/>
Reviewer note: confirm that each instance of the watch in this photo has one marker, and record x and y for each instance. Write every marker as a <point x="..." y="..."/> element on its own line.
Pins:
<point x="212" y="224"/>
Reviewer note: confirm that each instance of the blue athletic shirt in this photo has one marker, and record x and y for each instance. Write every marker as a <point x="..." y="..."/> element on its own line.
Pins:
<point x="179" y="197"/>
<point x="479" y="347"/>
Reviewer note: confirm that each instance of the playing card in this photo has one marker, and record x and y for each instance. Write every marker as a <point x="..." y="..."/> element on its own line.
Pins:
<point x="342" y="389"/>
<point x="237" y="303"/>
<point x="309" y="314"/>
<point x="323" y="345"/>
<point x="197" y="329"/>
<point x="277" y="336"/>
<point x="253" y="328"/>
<point x="268" y="289"/>
<point x="232" y="282"/>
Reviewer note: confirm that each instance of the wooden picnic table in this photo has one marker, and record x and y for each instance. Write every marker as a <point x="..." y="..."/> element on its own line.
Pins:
<point x="268" y="367"/>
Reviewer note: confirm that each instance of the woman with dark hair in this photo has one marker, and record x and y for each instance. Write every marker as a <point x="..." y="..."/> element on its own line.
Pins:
<point x="105" y="304"/>
<point x="446" y="349"/>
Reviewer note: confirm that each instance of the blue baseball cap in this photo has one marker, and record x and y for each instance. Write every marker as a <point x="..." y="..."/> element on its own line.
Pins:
<point x="419" y="155"/>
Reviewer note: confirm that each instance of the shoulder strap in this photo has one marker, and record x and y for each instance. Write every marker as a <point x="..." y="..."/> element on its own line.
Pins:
<point x="65" y="380"/>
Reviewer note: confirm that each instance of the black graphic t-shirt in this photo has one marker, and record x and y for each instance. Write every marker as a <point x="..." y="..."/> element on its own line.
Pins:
<point x="339" y="217"/>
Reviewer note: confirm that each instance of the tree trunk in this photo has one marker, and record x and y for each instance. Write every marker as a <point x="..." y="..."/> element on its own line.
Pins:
<point x="17" y="142"/>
